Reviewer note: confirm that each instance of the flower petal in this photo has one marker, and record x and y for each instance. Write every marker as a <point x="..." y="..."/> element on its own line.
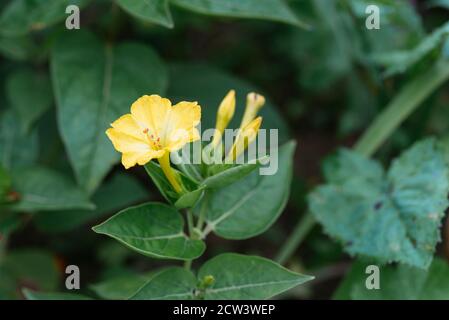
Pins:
<point x="134" y="150"/>
<point x="151" y="112"/>
<point x="128" y="125"/>
<point x="180" y="128"/>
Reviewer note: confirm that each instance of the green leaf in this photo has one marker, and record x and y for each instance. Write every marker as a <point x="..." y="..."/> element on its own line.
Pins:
<point x="390" y="217"/>
<point x="247" y="277"/>
<point x="401" y="61"/>
<point x="40" y="188"/>
<point x="235" y="277"/>
<point x="118" y="193"/>
<point x="398" y="282"/>
<point x="170" y="284"/>
<point x="154" y="230"/>
<point x="30" y="95"/>
<point x="160" y="180"/>
<point x="120" y="288"/>
<point x="250" y="206"/>
<point x="102" y="92"/>
<point x="24" y="16"/>
<point x="36" y="295"/>
<point x="17" y="149"/>
<point x="274" y="10"/>
<point x="209" y="90"/>
<point x="189" y="199"/>
<point x="226" y="174"/>
<point x="153" y="11"/>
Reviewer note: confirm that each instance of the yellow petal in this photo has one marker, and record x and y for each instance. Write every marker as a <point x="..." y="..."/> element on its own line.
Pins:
<point x="151" y="112"/>
<point x="180" y="127"/>
<point x="254" y="102"/>
<point x="135" y="151"/>
<point x="128" y="125"/>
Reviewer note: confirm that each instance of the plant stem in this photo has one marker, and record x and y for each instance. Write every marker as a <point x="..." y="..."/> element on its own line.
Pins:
<point x="188" y="263"/>
<point x="301" y="230"/>
<point x="203" y="212"/>
<point x="402" y="105"/>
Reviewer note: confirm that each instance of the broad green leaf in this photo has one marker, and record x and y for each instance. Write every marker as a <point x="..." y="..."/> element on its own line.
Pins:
<point x="30" y="95"/>
<point x="24" y="16"/>
<point x="153" y="11"/>
<point x="9" y="222"/>
<point x="91" y="96"/>
<point x="118" y="193"/>
<point x="36" y="295"/>
<point x="225" y="174"/>
<point x="247" y="277"/>
<point x="170" y="284"/>
<point x="120" y="288"/>
<point x="154" y="230"/>
<point x="250" y="206"/>
<point x="39" y="188"/>
<point x="275" y="10"/>
<point x="397" y="283"/>
<point x="17" y="149"/>
<point x="392" y="216"/>
<point x="31" y="268"/>
<point x="235" y="277"/>
<point x="209" y="90"/>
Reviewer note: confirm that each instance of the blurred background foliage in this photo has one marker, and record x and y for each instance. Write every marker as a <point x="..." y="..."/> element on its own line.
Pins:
<point x="325" y="75"/>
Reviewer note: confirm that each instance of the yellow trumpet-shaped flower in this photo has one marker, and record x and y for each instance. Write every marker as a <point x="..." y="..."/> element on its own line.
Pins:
<point x="224" y="116"/>
<point x="152" y="130"/>
<point x="254" y="102"/>
<point x="246" y="136"/>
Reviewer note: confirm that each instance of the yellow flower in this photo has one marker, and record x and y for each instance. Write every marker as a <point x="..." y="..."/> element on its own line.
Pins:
<point x="224" y="116"/>
<point x="254" y="102"/>
<point x="152" y="130"/>
<point x="246" y="136"/>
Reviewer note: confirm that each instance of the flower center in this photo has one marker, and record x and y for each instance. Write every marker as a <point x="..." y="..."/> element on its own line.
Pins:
<point x="154" y="140"/>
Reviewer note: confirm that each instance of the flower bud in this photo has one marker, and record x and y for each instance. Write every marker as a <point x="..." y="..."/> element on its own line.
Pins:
<point x="224" y="116"/>
<point x="254" y="102"/>
<point x="246" y="136"/>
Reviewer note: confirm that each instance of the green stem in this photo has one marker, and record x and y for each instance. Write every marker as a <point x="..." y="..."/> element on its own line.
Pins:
<point x="188" y="263"/>
<point x="408" y="99"/>
<point x="203" y="212"/>
<point x="301" y="230"/>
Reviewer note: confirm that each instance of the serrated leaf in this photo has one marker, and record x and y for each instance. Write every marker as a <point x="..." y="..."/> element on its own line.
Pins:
<point x="37" y="295"/>
<point x="154" y="230"/>
<point x="153" y="11"/>
<point x="275" y="10"/>
<point x="102" y="92"/>
<point x="30" y="95"/>
<point x="24" y="16"/>
<point x="126" y="191"/>
<point x="235" y="276"/>
<point x="170" y="284"/>
<point x="390" y="217"/>
<point x="17" y="149"/>
<point x="39" y="188"/>
<point x="247" y="277"/>
<point x="248" y="207"/>
<point x="397" y="283"/>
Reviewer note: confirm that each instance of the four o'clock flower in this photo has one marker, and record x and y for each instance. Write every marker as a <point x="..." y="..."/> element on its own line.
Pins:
<point x="152" y="130"/>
